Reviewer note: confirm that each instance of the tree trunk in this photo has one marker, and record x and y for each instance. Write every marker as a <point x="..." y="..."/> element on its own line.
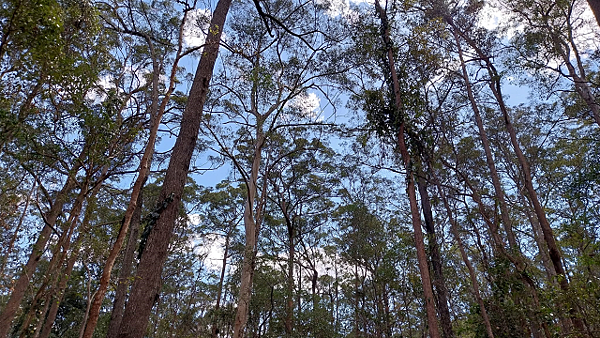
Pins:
<point x="488" y="151"/>
<point x="63" y="278"/>
<point x="132" y="207"/>
<point x="465" y="258"/>
<point x="148" y="279"/>
<point x="20" y="287"/>
<point x="595" y="6"/>
<point x="436" y="260"/>
<point x="47" y="329"/>
<point x="14" y="237"/>
<point x="289" y="316"/>
<point x="125" y="272"/>
<point x="410" y="188"/>
<point x="215" y="325"/>
<point x="90" y="296"/>
<point x="554" y="252"/>
<point x="251" y="227"/>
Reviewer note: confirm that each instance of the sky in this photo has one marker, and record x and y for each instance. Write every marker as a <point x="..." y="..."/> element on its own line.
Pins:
<point x="312" y="102"/>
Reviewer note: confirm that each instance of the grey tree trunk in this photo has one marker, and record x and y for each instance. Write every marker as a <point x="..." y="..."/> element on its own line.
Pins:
<point x="251" y="219"/>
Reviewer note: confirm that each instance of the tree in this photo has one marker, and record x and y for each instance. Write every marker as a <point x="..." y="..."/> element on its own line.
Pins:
<point x="264" y="83"/>
<point x="147" y="282"/>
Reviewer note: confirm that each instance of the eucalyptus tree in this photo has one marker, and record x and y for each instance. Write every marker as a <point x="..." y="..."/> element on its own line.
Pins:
<point x="264" y="85"/>
<point x="162" y="33"/>
<point x="300" y="181"/>
<point x="220" y="212"/>
<point x="553" y="42"/>
<point x="147" y="282"/>
<point x="63" y="139"/>
<point x="97" y="153"/>
<point x="483" y="49"/>
<point x="393" y="109"/>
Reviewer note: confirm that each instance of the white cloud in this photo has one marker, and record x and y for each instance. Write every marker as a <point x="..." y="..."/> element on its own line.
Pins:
<point x="195" y="27"/>
<point x="214" y="249"/>
<point x="341" y="8"/>
<point x="309" y="104"/>
<point x="104" y="84"/>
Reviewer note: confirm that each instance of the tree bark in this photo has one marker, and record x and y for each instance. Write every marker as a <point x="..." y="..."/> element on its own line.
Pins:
<point x="251" y="220"/>
<point x="125" y="272"/>
<point x="595" y="6"/>
<point x="148" y="278"/>
<point x="410" y="182"/>
<point x="436" y="260"/>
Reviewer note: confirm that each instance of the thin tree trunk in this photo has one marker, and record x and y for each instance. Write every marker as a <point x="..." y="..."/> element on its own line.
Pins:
<point x="465" y="258"/>
<point x="251" y="227"/>
<point x="415" y="213"/>
<point x="289" y="317"/>
<point x="47" y="329"/>
<point x="9" y="311"/>
<point x="538" y="237"/>
<point x="63" y="278"/>
<point x="488" y="151"/>
<point x="17" y="229"/>
<point x="554" y="252"/>
<point x="579" y="78"/>
<point x="34" y="309"/>
<point x="144" y="170"/>
<point x="125" y="272"/>
<point x="148" y="280"/>
<point x="215" y="325"/>
<point x="89" y="305"/>
<point x="436" y="260"/>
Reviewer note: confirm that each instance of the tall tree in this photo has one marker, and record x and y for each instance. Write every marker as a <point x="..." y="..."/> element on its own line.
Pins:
<point x="147" y="282"/>
<point x="398" y="128"/>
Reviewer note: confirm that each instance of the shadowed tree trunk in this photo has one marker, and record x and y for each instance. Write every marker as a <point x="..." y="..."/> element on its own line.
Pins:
<point x="436" y="260"/>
